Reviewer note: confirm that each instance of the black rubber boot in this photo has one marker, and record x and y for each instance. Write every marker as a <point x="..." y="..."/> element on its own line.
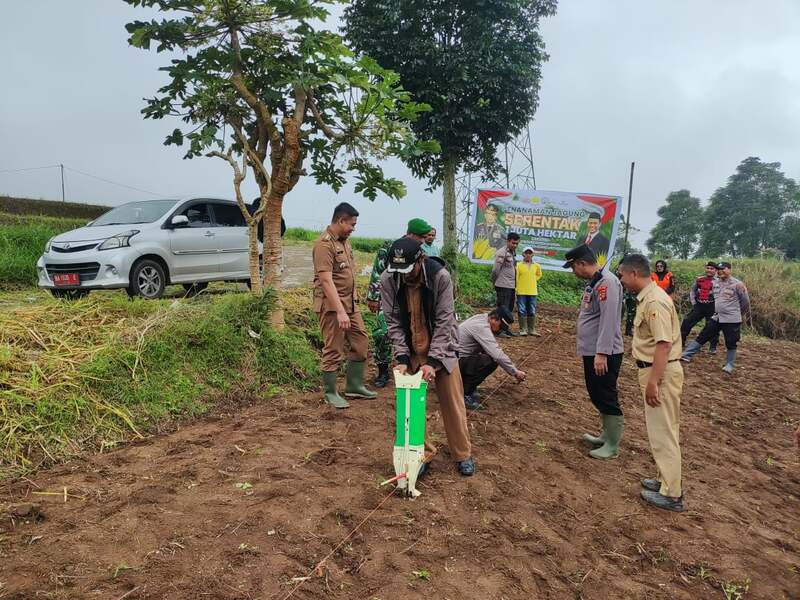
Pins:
<point x="382" y="378"/>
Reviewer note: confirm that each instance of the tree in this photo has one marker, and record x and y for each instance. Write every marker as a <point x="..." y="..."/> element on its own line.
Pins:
<point x="747" y="215"/>
<point x="678" y="230"/>
<point x="477" y="64"/>
<point x="290" y="95"/>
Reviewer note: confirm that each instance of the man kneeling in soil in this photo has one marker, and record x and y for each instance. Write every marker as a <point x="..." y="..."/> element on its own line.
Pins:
<point x="417" y="300"/>
<point x="656" y="349"/>
<point x="479" y="353"/>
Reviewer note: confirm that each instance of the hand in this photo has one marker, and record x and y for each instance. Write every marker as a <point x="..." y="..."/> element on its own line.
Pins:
<point x="428" y="373"/>
<point x="651" y="394"/>
<point x="344" y="320"/>
<point x="520" y="375"/>
<point x="401" y="369"/>
<point x="374" y="305"/>
<point x="600" y="364"/>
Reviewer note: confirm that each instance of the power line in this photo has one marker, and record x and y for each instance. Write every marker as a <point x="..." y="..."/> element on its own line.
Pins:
<point x="130" y="187"/>
<point x="29" y="169"/>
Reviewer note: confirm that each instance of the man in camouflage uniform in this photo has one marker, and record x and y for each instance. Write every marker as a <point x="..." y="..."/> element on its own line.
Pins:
<point x="417" y="230"/>
<point x="380" y="333"/>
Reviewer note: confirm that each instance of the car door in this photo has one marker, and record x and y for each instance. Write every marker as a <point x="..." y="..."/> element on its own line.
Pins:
<point x="232" y="240"/>
<point x="195" y="254"/>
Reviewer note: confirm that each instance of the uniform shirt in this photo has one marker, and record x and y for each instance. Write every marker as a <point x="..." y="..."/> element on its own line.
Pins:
<point x="504" y="271"/>
<point x="335" y="256"/>
<point x="430" y="250"/>
<point x="378" y="267"/>
<point x="528" y="275"/>
<point x="731" y="300"/>
<point x="703" y="290"/>
<point x="475" y="336"/>
<point x="656" y="321"/>
<point x="598" y="329"/>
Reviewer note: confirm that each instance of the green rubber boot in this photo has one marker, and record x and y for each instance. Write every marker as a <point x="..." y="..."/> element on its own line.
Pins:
<point x="355" y="382"/>
<point x="531" y="323"/>
<point x="596" y="440"/>
<point x="332" y="397"/>
<point x="612" y="427"/>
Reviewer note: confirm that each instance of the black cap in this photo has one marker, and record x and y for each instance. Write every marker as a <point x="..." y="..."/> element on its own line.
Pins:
<point x="711" y="263"/>
<point x="505" y="315"/>
<point x="403" y="254"/>
<point x="723" y="265"/>
<point x="582" y="252"/>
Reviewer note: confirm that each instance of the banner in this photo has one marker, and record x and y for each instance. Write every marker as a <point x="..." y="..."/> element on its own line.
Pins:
<point x="551" y="223"/>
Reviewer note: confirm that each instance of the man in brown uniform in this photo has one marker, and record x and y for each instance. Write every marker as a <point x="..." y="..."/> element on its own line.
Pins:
<point x="417" y="300"/>
<point x="335" y="302"/>
<point x="657" y="352"/>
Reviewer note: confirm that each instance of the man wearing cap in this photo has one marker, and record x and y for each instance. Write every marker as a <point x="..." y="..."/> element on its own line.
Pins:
<point x="594" y="239"/>
<point x="528" y="275"/>
<point x="656" y="349"/>
<point x="479" y="353"/>
<point x="599" y="344"/>
<point x="335" y="302"/>
<point x="731" y="303"/>
<point x="427" y="245"/>
<point x="417" y="230"/>
<point x="490" y="229"/>
<point x="417" y="299"/>
<point x="702" y="298"/>
<point x="504" y="276"/>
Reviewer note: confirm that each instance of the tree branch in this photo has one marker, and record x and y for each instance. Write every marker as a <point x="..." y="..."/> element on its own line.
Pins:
<point x="299" y="104"/>
<point x="326" y="129"/>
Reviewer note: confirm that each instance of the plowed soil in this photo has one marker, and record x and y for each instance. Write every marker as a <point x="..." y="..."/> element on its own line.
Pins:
<point x="244" y="503"/>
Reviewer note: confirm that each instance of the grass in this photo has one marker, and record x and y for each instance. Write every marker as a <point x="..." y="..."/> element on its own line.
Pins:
<point x="103" y="369"/>
<point x="22" y="241"/>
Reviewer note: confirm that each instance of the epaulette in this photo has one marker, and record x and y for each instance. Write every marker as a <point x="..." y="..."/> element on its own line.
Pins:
<point x="326" y="237"/>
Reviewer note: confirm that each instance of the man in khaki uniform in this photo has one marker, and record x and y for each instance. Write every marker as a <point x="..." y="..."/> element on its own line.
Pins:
<point x="336" y="305"/>
<point x="657" y="352"/>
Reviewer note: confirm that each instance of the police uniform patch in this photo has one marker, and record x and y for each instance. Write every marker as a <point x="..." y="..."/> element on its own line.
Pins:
<point x="602" y="293"/>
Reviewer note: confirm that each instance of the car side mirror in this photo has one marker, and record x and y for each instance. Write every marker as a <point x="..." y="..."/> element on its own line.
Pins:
<point x="179" y="221"/>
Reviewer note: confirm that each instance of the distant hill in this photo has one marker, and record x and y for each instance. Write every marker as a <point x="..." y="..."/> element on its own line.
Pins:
<point x="50" y="208"/>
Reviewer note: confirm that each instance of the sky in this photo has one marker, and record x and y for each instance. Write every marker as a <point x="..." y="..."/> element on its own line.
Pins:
<point x="685" y="89"/>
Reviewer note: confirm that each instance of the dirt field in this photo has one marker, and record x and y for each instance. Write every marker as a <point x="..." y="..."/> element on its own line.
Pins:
<point x="240" y="503"/>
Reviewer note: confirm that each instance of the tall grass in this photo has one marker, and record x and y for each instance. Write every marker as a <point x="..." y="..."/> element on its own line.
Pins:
<point x="22" y="241"/>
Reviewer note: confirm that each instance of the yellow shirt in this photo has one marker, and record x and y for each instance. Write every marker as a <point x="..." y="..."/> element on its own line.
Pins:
<point x="656" y="321"/>
<point x="528" y="275"/>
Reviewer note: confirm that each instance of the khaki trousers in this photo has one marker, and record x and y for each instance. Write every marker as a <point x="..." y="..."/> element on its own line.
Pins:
<point x="663" y="427"/>
<point x="450" y="393"/>
<point x="334" y="339"/>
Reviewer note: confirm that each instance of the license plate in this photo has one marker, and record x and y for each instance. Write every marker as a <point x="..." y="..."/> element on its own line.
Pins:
<point x="67" y="279"/>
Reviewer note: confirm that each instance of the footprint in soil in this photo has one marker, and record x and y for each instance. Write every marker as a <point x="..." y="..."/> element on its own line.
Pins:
<point x="151" y="494"/>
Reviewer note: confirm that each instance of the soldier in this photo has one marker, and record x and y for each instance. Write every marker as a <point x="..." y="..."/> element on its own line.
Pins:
<point x="417" y="298"/>
<point x="490" y="229"/>
<point x="599" y="342"/>
<point x="656" y="349"/>
<point x="380" y="333"/>
<point x="336" y="305"/>
<point x="702" y="298"/>
<point x="419" y="230"/>
<point x="731" y="303"/>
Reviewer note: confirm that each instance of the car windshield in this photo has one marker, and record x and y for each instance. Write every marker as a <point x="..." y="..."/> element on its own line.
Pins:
<point x="135" y="212"/>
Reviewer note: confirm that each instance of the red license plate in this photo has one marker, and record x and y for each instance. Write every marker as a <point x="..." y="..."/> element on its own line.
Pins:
<point x="67" y="279"/>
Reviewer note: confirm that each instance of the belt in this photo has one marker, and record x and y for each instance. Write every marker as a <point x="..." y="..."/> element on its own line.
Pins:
<point x="646" y="365"/>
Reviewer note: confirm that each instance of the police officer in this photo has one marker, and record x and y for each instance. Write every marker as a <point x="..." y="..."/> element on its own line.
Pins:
<point x="599" y="342"/>
<point x="335" y="302"/>
<point x="656" y="349"/>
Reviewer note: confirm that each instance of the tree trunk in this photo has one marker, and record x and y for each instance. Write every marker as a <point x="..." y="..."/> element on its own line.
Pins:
<point x="255" y="274"/>
<point x="449" y="212"/>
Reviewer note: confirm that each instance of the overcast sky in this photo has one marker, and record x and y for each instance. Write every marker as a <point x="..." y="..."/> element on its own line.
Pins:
<point x="686" y="89"/>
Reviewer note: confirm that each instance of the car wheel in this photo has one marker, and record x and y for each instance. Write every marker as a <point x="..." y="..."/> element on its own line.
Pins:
<point x="147" y="280"/>
<point x="192" y="289"/>
<point x="69" y="294"/>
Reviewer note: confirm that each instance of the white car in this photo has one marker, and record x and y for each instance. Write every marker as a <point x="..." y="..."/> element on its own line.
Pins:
<point x="144" y="246"/>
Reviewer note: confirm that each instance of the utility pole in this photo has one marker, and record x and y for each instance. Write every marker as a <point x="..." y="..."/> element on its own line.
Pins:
<point x="628" y="216"/>
<point x="63" y="197"/>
